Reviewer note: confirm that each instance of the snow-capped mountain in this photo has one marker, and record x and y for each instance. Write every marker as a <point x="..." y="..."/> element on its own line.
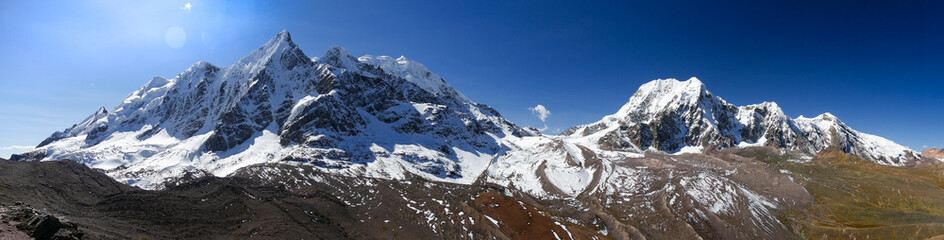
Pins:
<point x="373" y="116"/>
<point x="390" y="143"/>
<point x="385" y="117"/>
<point x="671" y="116"/>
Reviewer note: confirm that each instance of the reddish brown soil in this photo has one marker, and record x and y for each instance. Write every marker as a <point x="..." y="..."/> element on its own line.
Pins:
<point x="933" y="153"/>
<point x="523" y="221"/>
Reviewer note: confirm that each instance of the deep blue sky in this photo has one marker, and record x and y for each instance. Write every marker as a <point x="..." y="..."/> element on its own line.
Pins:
<point x="877" y="65"/>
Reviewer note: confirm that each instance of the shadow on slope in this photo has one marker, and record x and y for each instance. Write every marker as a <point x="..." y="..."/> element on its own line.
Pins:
<point x="214" y="208"/>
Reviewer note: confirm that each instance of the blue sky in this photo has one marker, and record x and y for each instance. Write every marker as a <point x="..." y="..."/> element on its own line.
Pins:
<point x="877" y="65"/>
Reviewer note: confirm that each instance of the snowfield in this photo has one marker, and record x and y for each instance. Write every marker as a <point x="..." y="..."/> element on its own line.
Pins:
<point x="392" y="118"/>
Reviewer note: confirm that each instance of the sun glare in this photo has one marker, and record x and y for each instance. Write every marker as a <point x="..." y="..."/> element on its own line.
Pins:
<point x="175" y="37"/>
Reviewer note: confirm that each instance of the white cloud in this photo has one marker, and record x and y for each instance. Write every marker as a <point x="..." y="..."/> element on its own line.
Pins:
<point x="925" y="146"/>
<point x="540" y="111"/>
<point x="8" y="151"/>
<point x="15" y="147"/>
<point x="542" y="129"/>
<point x="186" y="7"/>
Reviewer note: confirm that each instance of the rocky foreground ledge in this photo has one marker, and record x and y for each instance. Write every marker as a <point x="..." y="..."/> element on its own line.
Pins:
<point x="20" y="221"/>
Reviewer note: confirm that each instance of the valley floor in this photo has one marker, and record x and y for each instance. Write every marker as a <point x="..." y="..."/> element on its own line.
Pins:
<point x="831" y="196"/>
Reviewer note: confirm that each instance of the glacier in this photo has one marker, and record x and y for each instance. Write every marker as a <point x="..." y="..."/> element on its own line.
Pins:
<point x="392" y="118"/>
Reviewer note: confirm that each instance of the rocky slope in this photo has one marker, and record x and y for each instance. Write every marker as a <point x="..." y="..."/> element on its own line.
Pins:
<point x="750" y="193"/>
<point x="935" y="153"/>
<point x="269" y="201"/>
<point x="672" y="116"/>
<point x="382" y="117"/>
<point x="374" y="147"/>
<point x="373" y="116"/>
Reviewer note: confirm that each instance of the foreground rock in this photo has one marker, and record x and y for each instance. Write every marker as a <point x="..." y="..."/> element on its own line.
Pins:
<point x="35" y="224"/>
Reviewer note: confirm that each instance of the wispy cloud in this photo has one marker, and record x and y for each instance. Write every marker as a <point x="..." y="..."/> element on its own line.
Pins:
<point x="540" y="111"/>
<point x="186" y="7"/>
<point x="16" y="147"/>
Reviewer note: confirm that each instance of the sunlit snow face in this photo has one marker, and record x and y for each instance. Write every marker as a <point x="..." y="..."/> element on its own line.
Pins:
<point x="175" y="37"/>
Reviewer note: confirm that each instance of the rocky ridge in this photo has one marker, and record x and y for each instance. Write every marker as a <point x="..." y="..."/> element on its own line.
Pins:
<point x="378" y="136"/>
<point x="671" y="116"/>
<point x="373" y="116"/>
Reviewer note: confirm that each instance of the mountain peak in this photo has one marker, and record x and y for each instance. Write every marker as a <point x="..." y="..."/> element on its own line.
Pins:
<point x="673" y="87"/>
<point x="339" y="57"/>
<point x="338" y="50"/>
<point x="285" y="107"/>
<point x="770" y="109"/>
<point x="279" y="48"/>
<point x="672" y="84"/>
<point x="281" y="37"/>
<point x="412" y="71"/>
<point x="695" y="80"/>
<point x="199" y="65"/>
<point x="660" y="94"/>
<point x="827" y="116"/>
<point x="935" y="153"/>
<point x="101" y="110"/>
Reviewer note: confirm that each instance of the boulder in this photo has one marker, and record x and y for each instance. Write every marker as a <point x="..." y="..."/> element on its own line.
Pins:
<point x="43" y="227"/>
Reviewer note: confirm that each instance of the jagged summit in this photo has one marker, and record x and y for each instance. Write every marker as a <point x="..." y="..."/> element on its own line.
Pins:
<point x="339" y="57"/>
<point x="371" y="132"/>
<point x="693" y="87"/>
<point x="101" y="110"/>
<point x="670" y="115"/>
<point x="283" y="38"/>
<point x="385" y="119"/>
<point x="414" y="72"/>
<point x="659" y="95"/>
<point x="392" y="118"/>
<point x="278" y="52"/>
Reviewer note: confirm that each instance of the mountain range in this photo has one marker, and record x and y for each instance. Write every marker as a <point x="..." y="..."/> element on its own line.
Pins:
<point x="379" y="116"/>
<point x="674" y="152"/>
